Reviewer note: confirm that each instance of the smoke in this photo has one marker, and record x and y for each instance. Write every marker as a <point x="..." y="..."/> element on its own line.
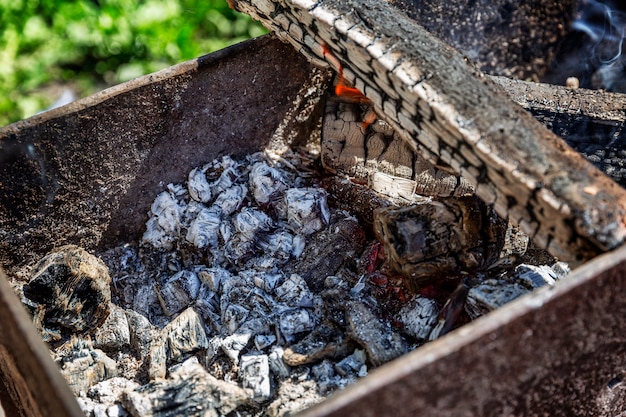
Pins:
<point x="604" y="27"/>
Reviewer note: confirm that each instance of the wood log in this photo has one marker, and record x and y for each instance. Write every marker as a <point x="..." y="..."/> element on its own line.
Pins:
<point x="451" y="113"/>
<point x="590" y="121"/>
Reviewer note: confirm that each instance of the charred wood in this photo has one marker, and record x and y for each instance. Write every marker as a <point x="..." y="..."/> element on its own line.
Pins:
<point x="449" y="113"/>
<point x="590" y="121"/>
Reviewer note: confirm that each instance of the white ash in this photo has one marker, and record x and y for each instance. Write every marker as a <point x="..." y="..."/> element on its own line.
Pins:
<point x="255" y="374"/>
<point x="419" y="316"/>
<point x="245" y="296"/>
<point x="218" y="292"/>
<point x="104" y="398"/>
<point x="495" y="292"/>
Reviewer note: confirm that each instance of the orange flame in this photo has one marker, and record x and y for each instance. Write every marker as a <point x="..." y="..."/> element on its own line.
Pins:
<point x="343" y="90"/>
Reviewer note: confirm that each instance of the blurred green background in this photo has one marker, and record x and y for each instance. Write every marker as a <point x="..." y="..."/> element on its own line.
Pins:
<point x="50" y="46"/>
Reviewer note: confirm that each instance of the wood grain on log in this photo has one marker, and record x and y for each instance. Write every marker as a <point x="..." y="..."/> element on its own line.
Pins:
<point x="379" y="157"/>
<point x="450" y="113"/>
<point x="591" y="122"/>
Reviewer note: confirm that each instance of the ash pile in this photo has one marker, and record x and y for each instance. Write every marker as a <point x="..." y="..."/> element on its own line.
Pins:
<point x="249" y="294"/>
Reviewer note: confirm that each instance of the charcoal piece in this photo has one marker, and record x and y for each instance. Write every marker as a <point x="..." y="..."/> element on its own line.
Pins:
<point x="233" y="316"/>
<point x="198" y="186"/>
<point x="305" y="209"/>
<point x="419" y="316"/>
<point x="254" y="372"/>
<point x="230" y="199"/>
<point x="207" y="304"/>
<point x="277" y="365"/>
<point x="263" y="341"/>
<point x="184" y="335"/>
<point x="190" y="391"/>
<point x="266" y="183"/>
<point x="204" y="228"/>
<point x="69" y="293"/>
<point x="250" y="222"/>
<point x="535" y="276"/>
<point x="157" y="357"/>
<point x="233" y="345"/>
<point x="491" y="294"/>
<point x="495" y="292"/>
<point x="140" y="333"/>
<point x="85" y="366"/>
<point x="277" y="246"/>
<point x="380" y="342"/>
<point x="214" y="277"/>
<point x="325" y="376"/>
<point x="294" y="292"/>
<point x="257" y="323"/>
<point x="224" y="172"/>
<point x="146" y="302"/>
<point x="163" y="227"/>
<point x="295" y="321"/>
<point x="238" y="250"/>
<point x="178" y="292"/>
<point x="268" y="281"/>
<point x="114" y="333"/>
<point x="353" y="365"/>
<point x="324" y="342"/>
<point x="342" y="241"/>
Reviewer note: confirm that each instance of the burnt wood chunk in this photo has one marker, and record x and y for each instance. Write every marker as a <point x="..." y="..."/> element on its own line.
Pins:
<point x="446" y="110"/>
<point x="590" y="121"/>
<point x="69" y="293"/>
<point x="379" y="157"/>
<point x="436" y="240"/>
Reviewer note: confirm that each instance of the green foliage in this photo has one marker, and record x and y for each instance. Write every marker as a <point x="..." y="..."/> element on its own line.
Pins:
<point x="91" y="44"/>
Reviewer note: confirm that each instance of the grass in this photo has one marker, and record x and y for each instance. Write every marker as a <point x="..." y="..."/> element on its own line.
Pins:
<point x="47" y="46"/>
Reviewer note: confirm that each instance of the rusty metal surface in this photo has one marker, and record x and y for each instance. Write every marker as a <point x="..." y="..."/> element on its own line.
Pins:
<point x="558" y="352"/>
<point x="87" y="173"/>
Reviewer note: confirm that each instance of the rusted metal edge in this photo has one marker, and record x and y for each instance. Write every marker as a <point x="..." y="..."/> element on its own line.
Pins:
<point x="558" y="351"/>
<point x="30" y="382"/>
<point x="452" y="114"/>
<point x="102" y="96"/>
